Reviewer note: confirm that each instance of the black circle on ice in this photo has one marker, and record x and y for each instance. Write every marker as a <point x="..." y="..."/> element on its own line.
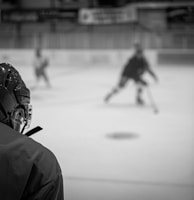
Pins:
<point x="119" y="135"/>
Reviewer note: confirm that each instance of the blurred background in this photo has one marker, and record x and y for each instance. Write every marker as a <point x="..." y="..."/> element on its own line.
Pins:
<point x="116" y="151"/>
<point x="97" y="24"/>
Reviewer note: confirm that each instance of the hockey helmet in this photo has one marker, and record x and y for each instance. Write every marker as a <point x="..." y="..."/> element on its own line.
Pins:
<point x="15" y="108"/>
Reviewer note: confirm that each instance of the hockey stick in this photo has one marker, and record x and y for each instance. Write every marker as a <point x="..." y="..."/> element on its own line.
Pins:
<point x="33" y="131"/>
<point x="153" y="104"/>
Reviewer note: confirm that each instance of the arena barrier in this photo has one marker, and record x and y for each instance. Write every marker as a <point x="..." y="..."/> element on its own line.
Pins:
<point x="109" y="58"/>
<point x="176" y="57"/>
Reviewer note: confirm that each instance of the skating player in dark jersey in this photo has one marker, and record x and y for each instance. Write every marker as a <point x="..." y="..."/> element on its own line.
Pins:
<point x="134" y="70"/>
<point x="28" y="170"/>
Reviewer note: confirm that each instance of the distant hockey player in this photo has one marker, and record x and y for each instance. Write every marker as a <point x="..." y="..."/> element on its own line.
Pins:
<point x="28" y="170"/>
<point x="40" y="64"/>
<point x="134" y="70"/>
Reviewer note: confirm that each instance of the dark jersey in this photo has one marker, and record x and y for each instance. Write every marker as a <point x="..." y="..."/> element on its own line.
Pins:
<point x="135" y="67"/>
<point x="28" y="170"/>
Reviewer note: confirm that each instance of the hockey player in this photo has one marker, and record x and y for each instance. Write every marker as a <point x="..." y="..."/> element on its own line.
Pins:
<point x="40" y="63"/>
<point x="134" y="70"/>
<point x="28" y="170"/>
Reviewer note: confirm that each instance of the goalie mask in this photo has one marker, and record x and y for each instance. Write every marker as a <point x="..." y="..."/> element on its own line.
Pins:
<point x="15" y="108"/>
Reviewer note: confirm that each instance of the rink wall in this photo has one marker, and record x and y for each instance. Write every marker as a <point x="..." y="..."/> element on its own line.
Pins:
<point x="175" y="57"/>
<point x="68" y="58"/>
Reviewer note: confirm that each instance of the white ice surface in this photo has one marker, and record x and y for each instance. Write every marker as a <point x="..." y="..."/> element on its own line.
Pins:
<point x="157" y="164"/>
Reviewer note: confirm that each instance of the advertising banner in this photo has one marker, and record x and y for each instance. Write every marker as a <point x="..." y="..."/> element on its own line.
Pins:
<point x="107" y="16"/>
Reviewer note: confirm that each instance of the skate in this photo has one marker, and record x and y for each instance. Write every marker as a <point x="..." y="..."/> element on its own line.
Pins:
<point x="140" y="101"/>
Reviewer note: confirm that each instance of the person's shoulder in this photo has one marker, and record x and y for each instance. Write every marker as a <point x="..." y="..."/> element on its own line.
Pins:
<point x="43" y="158"/>
<point x="133" y="57"/>
<point x="28" y="147"/>
<point x="145" y="60"/>
<point x="39" y="151"/>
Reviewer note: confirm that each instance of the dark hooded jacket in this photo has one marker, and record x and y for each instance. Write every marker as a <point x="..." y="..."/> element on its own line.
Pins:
<point x="28" y="170"/>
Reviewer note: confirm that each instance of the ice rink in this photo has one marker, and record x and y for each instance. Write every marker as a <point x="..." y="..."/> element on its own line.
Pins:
<point x="117" y="151"/>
